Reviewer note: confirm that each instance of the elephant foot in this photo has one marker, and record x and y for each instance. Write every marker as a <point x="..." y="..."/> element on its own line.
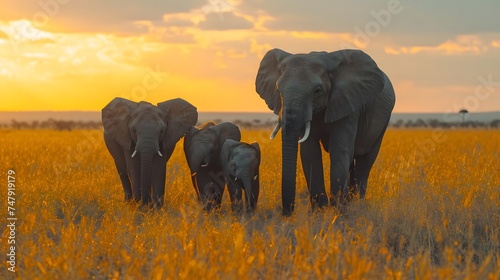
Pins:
<point x="250" y="210"/>
<point x="158" y="206"/>
<point x="355" y="192"/>
<point x="128" y="197"/>
<point x="210" y="206"/>
<point x="319" y="201"/>
<point x="340" y="203"/>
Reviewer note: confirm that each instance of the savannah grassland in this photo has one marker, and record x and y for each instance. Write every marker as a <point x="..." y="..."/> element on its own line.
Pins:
<point x="432" y="212"/>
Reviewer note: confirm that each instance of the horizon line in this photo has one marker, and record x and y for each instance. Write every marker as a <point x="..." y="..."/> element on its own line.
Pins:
<point x="224" y="112"/>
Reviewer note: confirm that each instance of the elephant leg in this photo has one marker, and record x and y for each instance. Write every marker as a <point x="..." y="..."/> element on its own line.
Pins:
<point x="218" y="184"/>
<point x="134" y="170"/>
<point x="364" y="165"/>
<point x="312" y="165"/>
<point x="194" y="180"/>
<point x="158" y="181"/>
<point x="235" y="194"/>
<point x="254" y="196"/>
<point x="341" y="147"/>
<point x="202" y="184"/>
<point x="352" y="188"/>
<point x="121" y="165"/>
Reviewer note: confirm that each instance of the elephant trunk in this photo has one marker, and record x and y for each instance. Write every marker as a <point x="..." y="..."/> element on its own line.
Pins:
<point x="146" y="173"/>
<point x="289" y="172"/>
<point x="147" y="148"/>
<point x="296" y="116"/>
<point x="198" y="157"/>
<point x="247" y="185"/>
<point x="290" y="134"/>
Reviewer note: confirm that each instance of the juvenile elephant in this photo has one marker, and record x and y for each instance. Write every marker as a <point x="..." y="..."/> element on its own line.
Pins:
<point x="141" y="138"/>
<point x="240" y="162"/>
<point x="202" y="147"/>
<point x="341" y="99"/>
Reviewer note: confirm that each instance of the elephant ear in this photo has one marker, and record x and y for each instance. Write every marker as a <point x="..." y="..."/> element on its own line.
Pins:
<point x="225" y="154"/>
<point x="227" y="130"/>
<point x="188" y="138"/>
<point x="115" y="117"/>
<point x="356" y="80"/>
<point x="256" y="146"/>
<point x="193" y="157"/>
<point x="267" y="76"/>
<point x="180" y="116"/>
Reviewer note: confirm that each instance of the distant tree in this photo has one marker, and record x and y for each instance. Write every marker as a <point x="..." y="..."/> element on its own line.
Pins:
<point x="35" y="124"/>
<point x="495" y="124"/>
<point x="409" y="124"/>
<point x="434" y="123"/>
<point x="463" y="112"/>
<point x="398" y="124"/>
<point x="420" y="123"/>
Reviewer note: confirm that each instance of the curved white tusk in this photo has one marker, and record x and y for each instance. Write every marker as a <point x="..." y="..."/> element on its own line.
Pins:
<point x="276" y="129"/>
<point x="306" y="133"/>
<point x="133" y="154"/>
<point x="204" y="165"/>
<point x="159" y="153"/>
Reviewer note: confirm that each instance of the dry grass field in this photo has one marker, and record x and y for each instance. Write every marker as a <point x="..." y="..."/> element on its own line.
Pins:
<point x="432" y="212"/>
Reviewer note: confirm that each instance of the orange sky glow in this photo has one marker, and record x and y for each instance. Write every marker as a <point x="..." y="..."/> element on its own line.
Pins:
<point x="55" y="55"/>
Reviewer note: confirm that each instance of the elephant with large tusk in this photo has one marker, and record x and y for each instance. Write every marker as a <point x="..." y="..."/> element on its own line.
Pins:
<point x="141" y="138"/>
<point x="339" y="99"/>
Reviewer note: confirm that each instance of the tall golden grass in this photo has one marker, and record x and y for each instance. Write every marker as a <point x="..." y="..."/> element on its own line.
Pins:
<point x="432" y="212"/>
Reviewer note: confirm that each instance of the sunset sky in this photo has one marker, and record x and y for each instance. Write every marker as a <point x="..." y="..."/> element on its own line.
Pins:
<point x="77" y="55"/>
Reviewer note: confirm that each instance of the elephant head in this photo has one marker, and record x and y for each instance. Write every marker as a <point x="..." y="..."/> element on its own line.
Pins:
<point x="146" y="131"/>
<point x="240" y="162"/>
<point x="202" y="149"/>
<point x="296" y="87"/>
<point x="202" y="145"/>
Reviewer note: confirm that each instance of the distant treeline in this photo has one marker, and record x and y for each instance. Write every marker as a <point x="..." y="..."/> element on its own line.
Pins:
<point x="433" y="123"/>
<point x="72" y="125"/>
<point x="53" y="124"/>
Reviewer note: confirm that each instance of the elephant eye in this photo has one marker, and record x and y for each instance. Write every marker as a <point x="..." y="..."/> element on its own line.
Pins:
<point x="318" y="89"/>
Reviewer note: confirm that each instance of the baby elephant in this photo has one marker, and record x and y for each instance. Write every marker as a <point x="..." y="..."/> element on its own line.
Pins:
<point x="240" y="162"/>
<point x="202" y="147"/>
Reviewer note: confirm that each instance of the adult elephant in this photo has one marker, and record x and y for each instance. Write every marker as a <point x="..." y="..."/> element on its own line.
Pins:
<point x="202" y="147"/>
<point x="341" y="99"/>
<point x="141" y="138"/>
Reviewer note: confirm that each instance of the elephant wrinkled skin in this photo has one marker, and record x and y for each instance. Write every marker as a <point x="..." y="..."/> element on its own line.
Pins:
<point x="339" y="99"/>
<point x="141" y="138"/>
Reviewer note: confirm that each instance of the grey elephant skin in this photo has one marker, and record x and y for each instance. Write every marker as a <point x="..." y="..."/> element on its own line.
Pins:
<point x="202" y="147"/>
<point x="340" y="99"/>
<point x="240" y="162"/>
<point x="141" y="138"/>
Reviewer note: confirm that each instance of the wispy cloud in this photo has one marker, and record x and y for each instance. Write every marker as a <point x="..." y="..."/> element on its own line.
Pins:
<point x="464" y="44"/>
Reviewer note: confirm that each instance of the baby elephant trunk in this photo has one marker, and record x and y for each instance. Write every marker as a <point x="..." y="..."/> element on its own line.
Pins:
<point x="250" y="200"/>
